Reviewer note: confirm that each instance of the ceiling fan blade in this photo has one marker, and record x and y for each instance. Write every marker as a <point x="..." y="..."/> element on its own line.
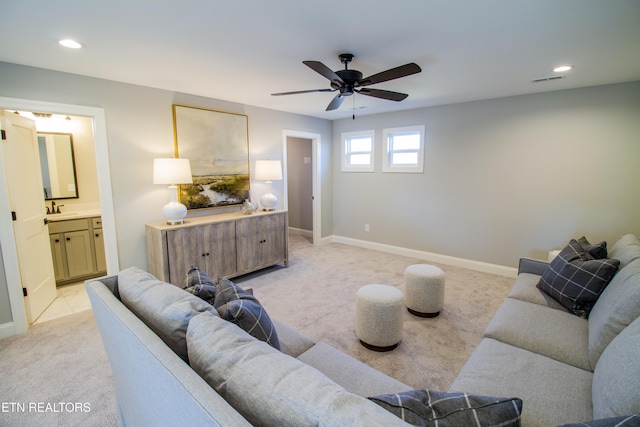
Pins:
<point x="302" y="91"/>
<point x="322" y="69"/>
<point x="335" y="103"/>
<point x="393" y="73"/>
<point x="384" y="94"/>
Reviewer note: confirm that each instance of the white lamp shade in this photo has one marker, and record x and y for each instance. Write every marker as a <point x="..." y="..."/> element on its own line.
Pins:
<point x="268" y="170"/>
<point x="172" y="171"/>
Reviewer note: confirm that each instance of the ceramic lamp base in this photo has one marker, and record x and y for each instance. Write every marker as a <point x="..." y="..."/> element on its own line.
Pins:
<point x="269" y="202"/>
<point x="174" y="211"/>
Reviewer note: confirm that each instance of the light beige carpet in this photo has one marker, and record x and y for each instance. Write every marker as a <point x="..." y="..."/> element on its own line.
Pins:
<point x="316" y="295"/>
<point x="57" y="374"/>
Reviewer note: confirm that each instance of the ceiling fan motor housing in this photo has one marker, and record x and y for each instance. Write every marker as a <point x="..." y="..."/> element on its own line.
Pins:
<point x="350" y="78"/>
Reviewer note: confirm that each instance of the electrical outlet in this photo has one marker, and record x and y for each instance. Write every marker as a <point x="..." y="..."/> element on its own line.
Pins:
<point x="366" y="228"/>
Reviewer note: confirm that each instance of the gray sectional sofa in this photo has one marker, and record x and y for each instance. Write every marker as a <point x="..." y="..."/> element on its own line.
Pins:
<point x="564" y="368"/>
<point x="305" y="383"/>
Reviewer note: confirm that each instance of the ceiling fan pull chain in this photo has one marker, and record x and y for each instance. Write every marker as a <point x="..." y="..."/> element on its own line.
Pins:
<point x="354" y="107"/>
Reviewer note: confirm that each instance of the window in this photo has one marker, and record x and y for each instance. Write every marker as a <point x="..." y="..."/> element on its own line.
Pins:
<point x="404" y="149"/>
<point x="357" y="151"/>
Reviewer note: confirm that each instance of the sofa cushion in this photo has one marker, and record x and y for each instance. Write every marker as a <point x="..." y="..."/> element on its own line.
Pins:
<point x="525" y="289"/>
<point x="270" y="388"/>
<point x="350" y="373"/>
<point x="626" y="249"/>
<point x="200" y="284"/>
<point x="291" y="341"/>
<point x="240" y="307"/>
<point x="164" y="308"/>
<point x="552" y="392"/>
<point x="617" y="307"/>
<point x="616" y="384"/>
<point x="437" y="408"/>
<point x="536" y="328"/>
<point x="575" y="279"/>
<point x="624" y="421"/>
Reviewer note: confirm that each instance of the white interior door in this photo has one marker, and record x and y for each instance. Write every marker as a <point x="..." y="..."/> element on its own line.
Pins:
<point x="26" y="198"/>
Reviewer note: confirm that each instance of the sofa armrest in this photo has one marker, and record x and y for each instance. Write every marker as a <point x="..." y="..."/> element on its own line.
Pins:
<point x="532" y="266"/>
<point x="111" y="282"/>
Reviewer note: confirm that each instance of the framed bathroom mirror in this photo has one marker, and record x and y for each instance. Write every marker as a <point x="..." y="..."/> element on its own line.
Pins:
<point x="57" y="163"/>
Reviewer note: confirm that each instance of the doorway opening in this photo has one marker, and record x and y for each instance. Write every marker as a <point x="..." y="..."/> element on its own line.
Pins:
<point x="10" y="258"/>
<point x="303" y="195"/>
<point x="300" y="187"/>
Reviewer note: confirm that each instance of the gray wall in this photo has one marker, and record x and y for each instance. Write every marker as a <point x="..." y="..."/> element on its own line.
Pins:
<point x="140" y="127"/>
<point x="503" y="178"/>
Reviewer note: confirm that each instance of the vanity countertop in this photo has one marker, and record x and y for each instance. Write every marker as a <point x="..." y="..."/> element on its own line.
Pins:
<point x="73" y="215"/>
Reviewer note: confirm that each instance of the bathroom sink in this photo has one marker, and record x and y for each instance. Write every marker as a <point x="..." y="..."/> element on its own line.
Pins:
<point x="73" y="214"/>
<point x="61" y="216"/>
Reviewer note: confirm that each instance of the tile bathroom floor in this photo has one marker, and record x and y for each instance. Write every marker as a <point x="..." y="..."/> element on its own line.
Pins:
<point x="71" y="299"/>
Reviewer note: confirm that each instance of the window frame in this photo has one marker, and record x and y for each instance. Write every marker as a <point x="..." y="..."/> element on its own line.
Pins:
<point x="387" y="164"/>
<point x="346" y="152"/>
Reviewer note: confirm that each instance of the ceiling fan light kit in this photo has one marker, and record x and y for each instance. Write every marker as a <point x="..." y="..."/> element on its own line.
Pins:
<point x="349" y="82"/>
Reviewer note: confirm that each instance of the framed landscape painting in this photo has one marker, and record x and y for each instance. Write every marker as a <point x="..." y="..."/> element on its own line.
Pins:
<point x="217" y="146"/>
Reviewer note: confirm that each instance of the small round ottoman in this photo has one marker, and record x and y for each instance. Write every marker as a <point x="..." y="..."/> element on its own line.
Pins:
<point x="424" y="290"/>
<point x="379" y="317"/>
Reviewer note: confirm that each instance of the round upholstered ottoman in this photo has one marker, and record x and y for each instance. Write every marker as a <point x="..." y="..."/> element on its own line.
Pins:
<point x="379" y="317"/>
<point x="424" y="290"/>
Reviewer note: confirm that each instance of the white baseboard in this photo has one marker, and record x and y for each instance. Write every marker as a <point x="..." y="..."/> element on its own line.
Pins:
<point x="483" y="267"/>
<point x="7" y="330"/>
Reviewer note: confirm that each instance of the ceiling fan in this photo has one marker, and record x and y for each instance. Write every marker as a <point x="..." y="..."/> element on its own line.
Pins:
<point x="349" y="82"/>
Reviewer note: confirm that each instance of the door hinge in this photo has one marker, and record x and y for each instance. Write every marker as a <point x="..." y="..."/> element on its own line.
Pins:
<point x="24" y="292"/>
<point x="4" y="134"/>
<point x="14" y="216"/>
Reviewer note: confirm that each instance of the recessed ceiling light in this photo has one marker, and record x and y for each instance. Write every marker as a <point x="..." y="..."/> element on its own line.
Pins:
<point x="72" y="44"/>
<point x="563" y="68"/>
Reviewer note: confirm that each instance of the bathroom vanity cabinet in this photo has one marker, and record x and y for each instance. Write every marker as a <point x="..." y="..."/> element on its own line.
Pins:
<point x="77" y="246"/>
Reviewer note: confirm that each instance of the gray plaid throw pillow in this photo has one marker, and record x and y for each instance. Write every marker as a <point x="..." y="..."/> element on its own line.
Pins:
<point x="597" y="251"/>
<point x="435" y="408"/>
<point x="200" y="284"/>
<point x="240" y="307"/>
<point x="576" y="280"/>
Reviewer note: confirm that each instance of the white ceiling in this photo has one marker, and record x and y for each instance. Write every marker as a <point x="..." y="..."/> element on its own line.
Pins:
<point x="244" y="50"/>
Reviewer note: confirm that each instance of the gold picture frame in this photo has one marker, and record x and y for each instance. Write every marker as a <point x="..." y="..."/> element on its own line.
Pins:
<point x="217" y="146"/>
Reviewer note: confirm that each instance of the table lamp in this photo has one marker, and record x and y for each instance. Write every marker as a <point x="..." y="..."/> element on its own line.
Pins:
<point x="172" y="171"/>
<point x="268" y="170"/>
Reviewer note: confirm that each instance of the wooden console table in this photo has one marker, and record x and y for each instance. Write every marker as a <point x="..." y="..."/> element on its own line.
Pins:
<point x="226" y="245"/>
